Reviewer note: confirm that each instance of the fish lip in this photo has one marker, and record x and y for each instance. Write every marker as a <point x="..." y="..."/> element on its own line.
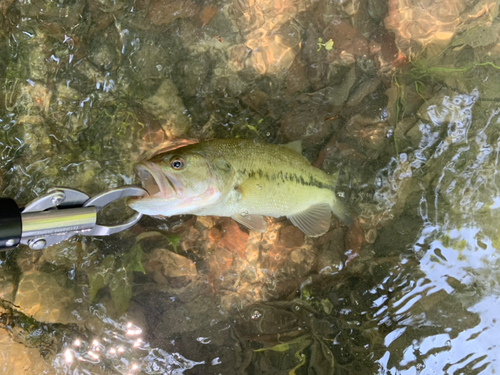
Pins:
<point x="165" y="187"/>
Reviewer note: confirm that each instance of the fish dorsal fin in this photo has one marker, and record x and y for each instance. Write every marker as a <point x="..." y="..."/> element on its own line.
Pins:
<point x="254" y="222"/>
<point x="169" y="145"/>
<point x="295" y="146"/>
<point x="314" y="221"/>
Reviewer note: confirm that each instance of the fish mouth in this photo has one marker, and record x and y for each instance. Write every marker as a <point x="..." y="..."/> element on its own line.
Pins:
<point x="154" y="181"/>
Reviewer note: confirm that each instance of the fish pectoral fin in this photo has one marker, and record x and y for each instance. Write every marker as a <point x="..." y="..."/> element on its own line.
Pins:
<point x="253" y="222"/>
<point x="314" y="221"/>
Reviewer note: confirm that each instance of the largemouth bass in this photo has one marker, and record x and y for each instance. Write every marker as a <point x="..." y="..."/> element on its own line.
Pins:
<point x="242" y="179"/>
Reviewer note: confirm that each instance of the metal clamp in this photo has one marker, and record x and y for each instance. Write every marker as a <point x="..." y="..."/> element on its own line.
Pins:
<point x="64" y="212"/>
<point x="103" y="199"/>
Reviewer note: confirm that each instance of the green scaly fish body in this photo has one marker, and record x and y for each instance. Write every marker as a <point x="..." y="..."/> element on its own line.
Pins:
<point x="243" y="179"/>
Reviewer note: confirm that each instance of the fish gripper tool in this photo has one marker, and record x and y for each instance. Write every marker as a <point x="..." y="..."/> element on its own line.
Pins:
<point x="60" y="214"/>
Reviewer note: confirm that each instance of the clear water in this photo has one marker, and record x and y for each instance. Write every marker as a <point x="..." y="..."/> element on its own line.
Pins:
<point x="400" y="98"/>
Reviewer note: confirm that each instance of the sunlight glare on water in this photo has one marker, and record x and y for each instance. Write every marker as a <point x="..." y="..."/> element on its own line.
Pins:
<point x="457" y="247"/>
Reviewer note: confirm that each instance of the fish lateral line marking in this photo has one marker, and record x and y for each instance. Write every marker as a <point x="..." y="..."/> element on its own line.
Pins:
<point x="292" y="177"/>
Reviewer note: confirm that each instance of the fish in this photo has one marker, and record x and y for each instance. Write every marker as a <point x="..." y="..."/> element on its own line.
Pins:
<point x="242" y="179"/>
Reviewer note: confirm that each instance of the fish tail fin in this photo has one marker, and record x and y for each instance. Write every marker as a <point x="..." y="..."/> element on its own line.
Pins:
<point x="342" y="211"/>
<point x="339" y="208"/>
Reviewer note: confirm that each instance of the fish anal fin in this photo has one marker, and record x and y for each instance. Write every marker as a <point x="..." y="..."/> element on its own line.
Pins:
<point x="253" y="222"/>
<point x="314" y="221"/>
<point x="295" y="146"/>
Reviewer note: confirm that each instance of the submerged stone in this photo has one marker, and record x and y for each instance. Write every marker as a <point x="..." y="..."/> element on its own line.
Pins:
<point x="166" y="105"/>
<point x="42" y="296"/>
<point x="436" y="23"/>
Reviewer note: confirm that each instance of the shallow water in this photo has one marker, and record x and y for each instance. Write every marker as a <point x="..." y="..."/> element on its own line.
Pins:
<point x="400" y="99"/>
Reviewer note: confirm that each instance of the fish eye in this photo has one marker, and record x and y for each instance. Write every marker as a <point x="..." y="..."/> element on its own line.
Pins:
<point x="177" y="163"/>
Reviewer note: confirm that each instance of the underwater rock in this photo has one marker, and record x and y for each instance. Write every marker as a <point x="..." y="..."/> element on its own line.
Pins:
<point x="36" y="137"/>
<point x="361" y="91"/>
<point x="18" y="358"/>
<point x="4" y="52"/>
<point x="70" y="109"/>
<point x="164" y="12"/>
<point x="307" y="123"/>
<point x="371" y="235"/>
<point x="164" y="264"/>
<point x="220" y="261"/>
<point x="196" y="324"/>
<point x="386" y="54"/>
<point x="481" y="35"/>
<point x="4" y="6"/>
<point x="167" y="106"/>
<point x="233" y="238"/>
<point x="337" y="94"/>
<point x="206" y="15"/>
<point x="278" y="319"/>
<point x="377" y="9"/>
<point x="369" y="134"/>
<point x="442" y="122"/>
<point x="400" y="133"/>
<point x="458" y="136"/>
<point x="33" y="98"/>
<point x="39" y="57"/>
<point x="291" y="327"/>
<point x="271" y="41"/>
<point x="291" y="237"/>
<point x="258" y="100"/>
<point x="304" y="259"/>
<point x="417" y="26"/>
<point x="65" y="254"/>
<point x="93" y="77"/>
<point x="296" y="79"/>
<point x="395" y="182"/>
<point x="335" y="151"/>
<point x="433" y="115"/>
<point x="42" y="296"/>
<point x="194" y="72"/>
<point x="346" y="40"/>
<point x="149" y="64"/>
<point x="332" y="248"/>
<point x="7" y="287"/>
<point x="103" y="51"/>
<point x="68" y="14"/>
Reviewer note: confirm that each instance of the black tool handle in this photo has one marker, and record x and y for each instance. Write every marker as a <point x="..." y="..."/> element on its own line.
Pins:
<point x="11" y="226"/>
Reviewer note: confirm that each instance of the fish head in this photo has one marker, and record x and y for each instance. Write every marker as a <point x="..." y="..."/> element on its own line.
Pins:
<point x="182" y="181"/>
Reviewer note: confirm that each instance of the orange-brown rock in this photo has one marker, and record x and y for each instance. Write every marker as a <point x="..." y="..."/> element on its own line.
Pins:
<point x="435" y="22"/>
<point x="214" y="235"/>
<point x="261" y="21"/>
<point x="354" y="241"/>
<point x="233" y="238"/>
<point x="206" y="15"/>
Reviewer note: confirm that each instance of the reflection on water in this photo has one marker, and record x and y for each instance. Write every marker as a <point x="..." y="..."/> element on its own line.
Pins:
<point x="403" y="105"/>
